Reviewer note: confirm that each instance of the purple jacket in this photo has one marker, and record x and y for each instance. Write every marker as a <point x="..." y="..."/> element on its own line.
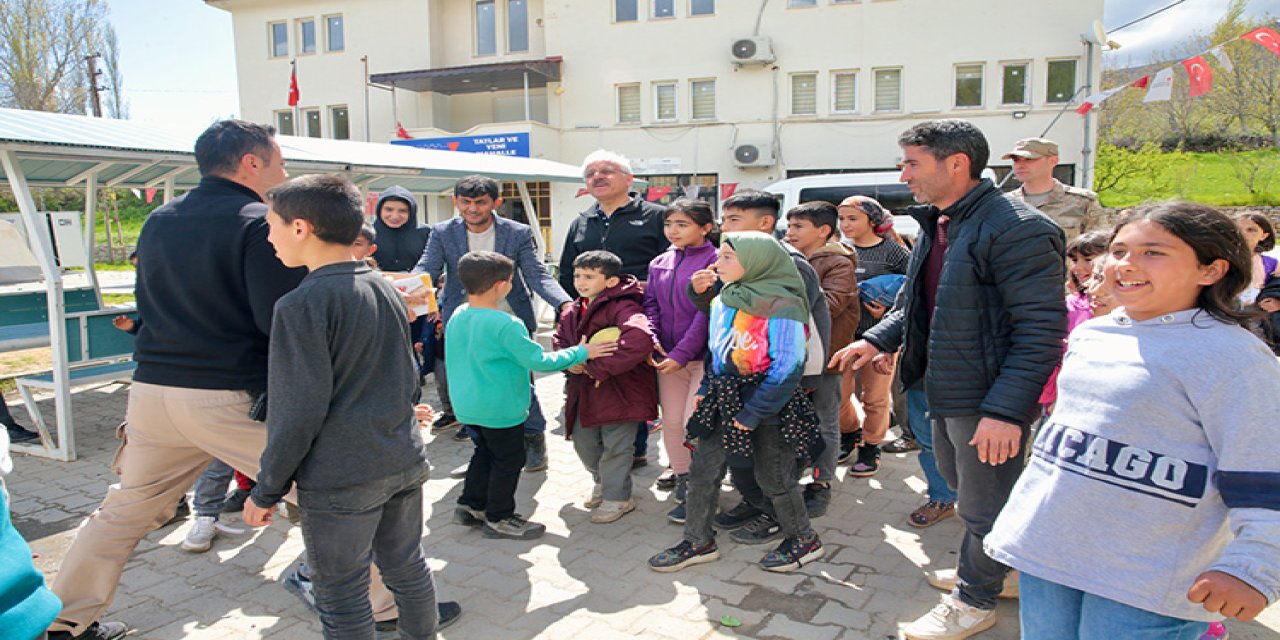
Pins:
<point x="681" y="329"/>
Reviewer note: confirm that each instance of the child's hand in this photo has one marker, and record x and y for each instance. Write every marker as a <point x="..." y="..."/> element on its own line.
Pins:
<point x="256" y="516"/>
<point x="883" y="364"/>
<point x="577" y="368"/>
<point x="697" y="400"/>
<point x="741" y="427"/>
<point x="668" y="366"/>
<point x="1226" y="594"/>
<point x="417" y="346"/>
<point x="599" y="349"/>
<point x="854" y="356"/>
<point x="875" y="309"/>
<point x="123" y="323"/>
<point x="425" y="414"/>
<point x="702" y="280"/>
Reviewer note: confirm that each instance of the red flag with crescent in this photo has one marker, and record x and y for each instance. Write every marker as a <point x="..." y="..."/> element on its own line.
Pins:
<point x="656" y="193"/>
<point x="293" y="84"/>
<point x="1141" y="83"/>
<point x="1200" y="74"/>
<point x="1265" y="36"/>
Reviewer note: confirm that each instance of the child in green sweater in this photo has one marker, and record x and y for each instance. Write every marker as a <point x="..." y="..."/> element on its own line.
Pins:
<point x="488" y="355"/>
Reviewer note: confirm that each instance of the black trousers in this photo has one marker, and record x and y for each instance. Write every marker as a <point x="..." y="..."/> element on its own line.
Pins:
<point x="494" y="472"/>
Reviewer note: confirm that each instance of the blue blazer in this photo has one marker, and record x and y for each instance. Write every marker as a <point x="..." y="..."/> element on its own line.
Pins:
<point x="448" y="243"/>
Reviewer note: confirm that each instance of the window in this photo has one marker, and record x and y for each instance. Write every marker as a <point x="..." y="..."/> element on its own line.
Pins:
<point x="279" y="32"/>
<point x="702" y="7"/>
<point x="888" y="89"/>
<point x="306" y="36"/>
<point x="625" y="11"/>
<point x="968" y="85"/>
<point x="664" y="102"/>
<point x="629" y="104"/>
<point x="702" y="95"/>
<point x="804" y="94"/>
<point x="334" y="38"/>
<point x="844" y="1"/>
<point x="1062" y="81"/>
<point x="340" y="122"/>
<point x="312" y="119"/>
<point x="844" y="92"/>
<point x="284" y="123"/>
<point x="664" y="8"/>
<point x="684" y="185"/>
<point x="802" y="3"/>
<point x="1013" y="84"/>
<point x="486" y="27"/>
<point x="517" y="25"/>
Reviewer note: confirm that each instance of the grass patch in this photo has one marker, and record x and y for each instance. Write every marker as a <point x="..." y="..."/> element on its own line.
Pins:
<point x="1208" y="178"/>
<point x="118" y="298"/>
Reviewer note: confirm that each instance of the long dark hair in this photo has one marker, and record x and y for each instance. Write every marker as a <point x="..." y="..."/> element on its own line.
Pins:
<point x="699" y="212"/>
<point x="1268" y="243"/>
<point x="1089" y="246"/>
<point x="1212" y="235"/>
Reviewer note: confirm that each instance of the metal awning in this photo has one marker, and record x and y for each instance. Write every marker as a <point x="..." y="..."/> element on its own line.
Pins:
<point x="475" y="78"/>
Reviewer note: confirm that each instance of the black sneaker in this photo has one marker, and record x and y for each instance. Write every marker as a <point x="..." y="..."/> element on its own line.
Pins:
<point x="666" y="481"/>
<point x="761" y="530"/>
<point x="444" y="422"/>
<point x="235" y="501"/>
<point x="682" y="555"/>
<point x="468" y="517"/>
<point x="18" y="433"/>
<point x="848" y="445"/>
<point x="901" y="445"/>
<point x="735" y="517"/>
<point x="447" y="613"/>
<point x="868" y="463"/>
<point x="180" y="513"/>
<point x="793" y="553"/>
<point x="462" y="435"/>
<point x="95" y="631"/>
<point x="817" y="497"/>
<point x="515" y="528"/>
<point x="677" y="515"/>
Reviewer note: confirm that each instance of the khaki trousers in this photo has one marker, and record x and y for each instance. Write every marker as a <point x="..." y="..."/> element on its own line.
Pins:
<point x="170" y="434"/>
<point x="874" y="393"/>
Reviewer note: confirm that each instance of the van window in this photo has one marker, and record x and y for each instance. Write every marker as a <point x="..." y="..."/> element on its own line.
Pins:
<point x="894" y="196"/>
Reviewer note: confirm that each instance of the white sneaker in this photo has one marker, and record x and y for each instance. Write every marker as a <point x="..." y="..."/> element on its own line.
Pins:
<point x="597" y="497"/>
<point x="946" y="579"/>
<point x="951" y="620"/>
<point x="611" y="510"/>
<point x="200" y="536"/>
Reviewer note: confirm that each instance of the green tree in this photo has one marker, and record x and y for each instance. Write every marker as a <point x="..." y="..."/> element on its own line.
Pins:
<point x="43" y="44"/>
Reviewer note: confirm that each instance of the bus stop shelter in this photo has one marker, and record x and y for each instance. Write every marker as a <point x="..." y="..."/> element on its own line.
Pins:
<point x="42" y="150"/>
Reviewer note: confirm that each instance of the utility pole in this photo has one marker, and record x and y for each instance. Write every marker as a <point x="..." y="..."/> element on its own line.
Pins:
<point x="93" y="84"/>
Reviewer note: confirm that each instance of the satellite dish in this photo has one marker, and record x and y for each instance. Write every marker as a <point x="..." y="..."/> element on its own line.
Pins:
<point x="1097" y="35"/>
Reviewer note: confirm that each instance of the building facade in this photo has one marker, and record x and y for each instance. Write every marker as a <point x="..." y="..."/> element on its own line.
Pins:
<point x="704" y="95"/>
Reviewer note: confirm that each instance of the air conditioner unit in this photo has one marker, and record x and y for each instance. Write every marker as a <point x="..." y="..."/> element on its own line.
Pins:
<point x="753" y="154"/>
<point x="753" y="50"/>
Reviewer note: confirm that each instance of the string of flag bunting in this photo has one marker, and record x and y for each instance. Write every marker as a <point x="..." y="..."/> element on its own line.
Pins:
<point x="1159" y="86"/>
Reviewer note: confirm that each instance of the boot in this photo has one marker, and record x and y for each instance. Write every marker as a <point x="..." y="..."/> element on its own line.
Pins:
<point x="535" y="451"/>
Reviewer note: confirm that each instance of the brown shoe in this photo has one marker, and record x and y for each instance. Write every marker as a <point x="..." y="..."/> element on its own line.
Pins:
<point x="930" y="513"/>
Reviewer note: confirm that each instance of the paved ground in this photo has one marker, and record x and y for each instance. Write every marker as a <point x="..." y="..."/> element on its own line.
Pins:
<point x="580" y="581"/>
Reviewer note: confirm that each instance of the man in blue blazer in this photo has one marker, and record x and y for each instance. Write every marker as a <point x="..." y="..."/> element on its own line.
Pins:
<point x="479" y="228"/>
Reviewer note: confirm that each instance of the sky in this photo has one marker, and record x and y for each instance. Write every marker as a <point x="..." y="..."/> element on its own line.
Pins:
<point x="179" y="62"/>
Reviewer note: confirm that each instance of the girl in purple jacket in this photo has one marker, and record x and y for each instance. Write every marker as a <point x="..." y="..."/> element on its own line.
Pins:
<point x="681" y="330"/>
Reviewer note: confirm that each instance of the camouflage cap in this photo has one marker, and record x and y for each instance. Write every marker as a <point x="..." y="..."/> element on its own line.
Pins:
<point x="1032" y="148"/>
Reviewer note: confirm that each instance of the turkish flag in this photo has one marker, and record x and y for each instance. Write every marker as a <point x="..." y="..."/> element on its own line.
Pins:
<point x="1200" y="74"/>
<point x="151" y="195"/>
<point x="581" y="192"/>
<point x="1266" y="37"/>
<point x="656" y="193"/>
<point x="1141" y="83"/>
<point x="401" y="133"/>
<point x="293" y="84"/>
<point x="727" y="189"/>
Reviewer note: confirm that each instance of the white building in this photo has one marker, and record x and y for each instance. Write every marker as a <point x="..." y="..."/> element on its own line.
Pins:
<point x="697" y="92"/>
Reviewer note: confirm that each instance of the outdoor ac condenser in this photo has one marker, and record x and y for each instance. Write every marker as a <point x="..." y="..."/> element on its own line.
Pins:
<point x="753" y="154"/>
<point x="752" y="50"/>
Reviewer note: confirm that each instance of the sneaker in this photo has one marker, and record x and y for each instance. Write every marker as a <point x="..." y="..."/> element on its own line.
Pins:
<point x="931" y="513"/>
<point x="735" y="517"/>
<point x="180" y="512"/>
<point x="684" y="554"/>
<point x="462" y="435"/>
<point x="95" y="631"/>
<point x="868" y="463"/>
<point x="951" y="620"/>
<point x="200" y="536"/>
<point x="1217" y="631"/>
<point x="535" y="452"/>
<point x="444" y="422"/>
<point x="234" y="502"/>
<point x="682" y="488"/>
<point x="468" y="517"/>
<point x="817" y="497"/>
<point x="945" y="579"/>
<point x="597" y="497"/>
<point x="19" y="433"/>
<point x="793" y="553"/>
<point x="666" y="481"/>
<point x="639" y="461"/>
<point x="612" y="510"/>
<point x="447" y="613"/>
<point x="901" y="445"/>
<point x="460" y="472"/>
<point x="299" y="583"/>
<point x="678" y="514"/>
<point x="514" y="528"/>
<point x="848" y="445"/>
<point x="760" y="530"/>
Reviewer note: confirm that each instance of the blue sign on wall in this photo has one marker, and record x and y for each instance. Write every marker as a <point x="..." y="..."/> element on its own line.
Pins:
<point x="498" y="144"/>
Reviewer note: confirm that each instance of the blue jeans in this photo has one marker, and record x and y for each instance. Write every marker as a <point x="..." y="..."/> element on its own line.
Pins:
<point x="1051" y="611"/>
<point x="211" y="488"/>
<point x="346" y="529"/>
<point x="918" y="420"/>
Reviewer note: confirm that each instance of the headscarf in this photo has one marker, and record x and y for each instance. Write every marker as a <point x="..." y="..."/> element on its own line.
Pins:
<point x="771" y="286"/>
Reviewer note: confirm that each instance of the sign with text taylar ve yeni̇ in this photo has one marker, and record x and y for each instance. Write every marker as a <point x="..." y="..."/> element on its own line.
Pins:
<point x="497" y="144"/>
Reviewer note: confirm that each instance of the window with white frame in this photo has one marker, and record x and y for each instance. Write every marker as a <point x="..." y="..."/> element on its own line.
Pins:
<point x="311" y="118"/>
<point x="664" y="8"/>
<point x="665" y="102"/>
<point x="888" y="89"/>
<point x="628" y="104"/>
<point x="804" y="94"/>
<point x="1061" y="86"/>
<point x="284" y="123"/>
<point x="335" y="35"/>
<point x="517" y="25"/>
<point x="969" y="85"/>
<point x="340" y="123"/>
<point x="306" y="36"/>
<point x="626" y="10"/>
<point x="1014" y="87"/>
<point x="802" y="3"/>
<point x="278" y="32"/>
<point x="702" y="7"/>
<point x="702" y="99"/>
<point x="486" y="27"/>
<point x="844" y="91"/>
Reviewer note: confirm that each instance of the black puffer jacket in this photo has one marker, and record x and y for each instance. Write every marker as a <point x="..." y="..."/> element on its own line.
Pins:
<point x="997" y="330"/>
<point x="633" y="233"/>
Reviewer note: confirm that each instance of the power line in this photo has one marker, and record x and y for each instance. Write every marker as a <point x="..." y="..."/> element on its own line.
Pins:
<point x="1153" y="13"/>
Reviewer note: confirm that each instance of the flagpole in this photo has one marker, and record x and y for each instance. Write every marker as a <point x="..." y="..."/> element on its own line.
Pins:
<point x="297" y="121"/>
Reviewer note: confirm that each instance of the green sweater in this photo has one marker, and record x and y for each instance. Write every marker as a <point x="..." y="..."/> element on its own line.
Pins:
<point x="488" y="355"/>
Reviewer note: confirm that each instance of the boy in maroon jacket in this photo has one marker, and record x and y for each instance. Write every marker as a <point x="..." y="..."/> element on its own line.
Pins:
<point x="608" y="397"/>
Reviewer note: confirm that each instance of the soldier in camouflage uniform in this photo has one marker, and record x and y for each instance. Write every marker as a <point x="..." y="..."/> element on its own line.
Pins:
<point x="1076" y="210"/>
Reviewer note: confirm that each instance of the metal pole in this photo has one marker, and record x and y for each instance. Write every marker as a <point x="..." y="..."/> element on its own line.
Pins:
<point x="168" y="188"/>
<point x="395" y="107"/>
<point x="526" y="98"/>
<point x="1086" y="153"/>
<point x="365" y="60"/>
<point x="90" y="214"/>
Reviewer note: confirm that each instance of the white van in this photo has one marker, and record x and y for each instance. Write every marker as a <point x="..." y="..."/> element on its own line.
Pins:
<point x="835" y="187"/>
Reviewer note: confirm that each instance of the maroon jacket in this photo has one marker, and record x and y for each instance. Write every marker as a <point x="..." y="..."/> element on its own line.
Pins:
<point x="621" y="387"/>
